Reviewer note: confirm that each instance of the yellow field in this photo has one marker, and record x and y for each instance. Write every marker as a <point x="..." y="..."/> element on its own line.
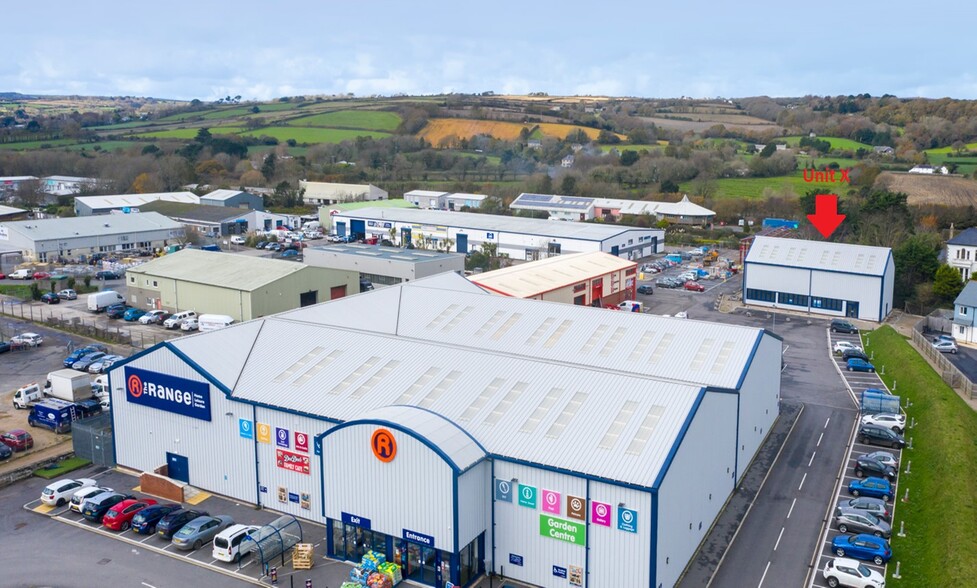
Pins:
<point x="466" y="128"/>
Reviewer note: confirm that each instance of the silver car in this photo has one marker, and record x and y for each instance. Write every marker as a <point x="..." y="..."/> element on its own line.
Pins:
<point x="886" y="458"/>
<point x="857" y="520"/>
<point x="199" y="531"/>
<point x="874" y="506"/>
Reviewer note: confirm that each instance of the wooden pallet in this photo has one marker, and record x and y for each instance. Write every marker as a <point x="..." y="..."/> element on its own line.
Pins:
<point x="302" y="556"/>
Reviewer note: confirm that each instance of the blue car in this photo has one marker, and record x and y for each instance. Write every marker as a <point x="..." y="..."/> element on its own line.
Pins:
<point x="87" y="360"/>
<point x="863" y="546"/>
<point x="872" y="487"/>
<point x="146" y="520"/>
<point x="860" y="365"/>
<point x="133" y="314"/>
<point x="82" y="352"/>
<point x="290" y="253"/>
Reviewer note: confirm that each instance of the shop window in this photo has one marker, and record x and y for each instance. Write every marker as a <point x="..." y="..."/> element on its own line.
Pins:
<point x="793" y="299"/>
<point x="761" y="295"/>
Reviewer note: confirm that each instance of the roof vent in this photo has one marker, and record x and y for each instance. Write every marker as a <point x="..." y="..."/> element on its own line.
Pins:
<point x="106" y="224"/>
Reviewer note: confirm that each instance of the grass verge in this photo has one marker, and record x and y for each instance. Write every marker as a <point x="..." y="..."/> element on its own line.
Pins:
<point x="63" y="467"/>
<point x="941" y="514"/>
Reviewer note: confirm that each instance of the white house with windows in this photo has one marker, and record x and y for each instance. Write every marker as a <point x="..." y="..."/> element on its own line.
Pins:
<point x="961" y="253"/>
<point x="964" y="309"/>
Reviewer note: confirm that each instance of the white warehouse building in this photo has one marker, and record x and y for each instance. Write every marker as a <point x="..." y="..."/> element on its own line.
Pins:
<point x="834" y="279"/>
<point x="460" y="432"/>
<point x="520" y="238"/>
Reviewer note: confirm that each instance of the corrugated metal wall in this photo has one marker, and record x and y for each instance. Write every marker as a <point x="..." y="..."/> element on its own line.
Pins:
<point x="283" y="294"/>
<point x="302" y="492"/>
<point x="517" y="528"/>
<point x="759" y="400"/>
<point x="475" y="504"/>
<point x="866" y="290"/>
<point x="696" y="485"/>
<point x="413" y="491"/>
<point x="219" y="459"/>
<point x="618" y="557"/>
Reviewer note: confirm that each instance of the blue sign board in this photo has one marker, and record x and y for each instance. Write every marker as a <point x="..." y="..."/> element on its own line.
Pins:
<point x="281" y="437"/>
<point x="515" y="560"/>
<point x="263" y="489"/>
<point x="415" y="537"/>
<point x="169" y="393"/>
<point x="317" y="444"/>
<point x="293" y="497"/>
<point x="489" y="235"/>
<point x="559" y="572"/>
<point x="245" y="428"/>
<point x="503" y="490"/>
<point x="363" y="522"/>
<point x="627" y="520"/>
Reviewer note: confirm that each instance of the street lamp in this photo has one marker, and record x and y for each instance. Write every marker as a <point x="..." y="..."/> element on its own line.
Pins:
<point x="774" y="314"/>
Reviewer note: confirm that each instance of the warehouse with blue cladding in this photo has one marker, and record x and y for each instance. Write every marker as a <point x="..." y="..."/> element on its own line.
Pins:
<point x="461" y="433"/>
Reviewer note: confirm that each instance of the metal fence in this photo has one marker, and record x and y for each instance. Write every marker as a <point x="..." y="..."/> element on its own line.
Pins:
<point x="92" y="439"/>
<point x="949" y="372"/>
<point x="50" y="316"/>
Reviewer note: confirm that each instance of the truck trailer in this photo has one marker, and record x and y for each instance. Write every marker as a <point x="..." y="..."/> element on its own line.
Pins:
<point x="69" y="385"/>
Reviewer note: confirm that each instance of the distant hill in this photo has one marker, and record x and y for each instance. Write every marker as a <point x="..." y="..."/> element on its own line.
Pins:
<point x="16" y="96"/>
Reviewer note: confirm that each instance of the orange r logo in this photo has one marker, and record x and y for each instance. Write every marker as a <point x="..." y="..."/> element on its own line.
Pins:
<point x="384" y="445"/>
<point x="135" y="386"/>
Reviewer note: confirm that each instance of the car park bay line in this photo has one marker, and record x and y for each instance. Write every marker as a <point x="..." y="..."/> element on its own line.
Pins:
<point x="765" y="570"/>
<point x="779" y="537"/>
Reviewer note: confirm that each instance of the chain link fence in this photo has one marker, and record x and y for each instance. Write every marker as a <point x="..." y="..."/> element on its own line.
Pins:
<point x="950" y="373"/>
<point x="92" y="439"/>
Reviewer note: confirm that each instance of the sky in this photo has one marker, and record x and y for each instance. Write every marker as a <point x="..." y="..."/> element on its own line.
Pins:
<point x="701" y="49"/>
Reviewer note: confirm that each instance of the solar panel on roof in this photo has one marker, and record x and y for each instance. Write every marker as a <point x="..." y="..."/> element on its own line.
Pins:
<point x="569" y="411"/>
<point x="616" y="427"/>
<point x="419" y="383"/>
<point x="375" y="379"/>
<point x="645" y="430"/>
<point x="544" y="407"/>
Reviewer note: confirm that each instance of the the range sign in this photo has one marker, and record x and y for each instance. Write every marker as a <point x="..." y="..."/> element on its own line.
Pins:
<point x="169" y="393"/>
<point x="295" y="462"/>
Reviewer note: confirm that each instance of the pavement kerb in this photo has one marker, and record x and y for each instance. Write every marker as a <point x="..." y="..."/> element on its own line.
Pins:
<point x="760" y="489"/>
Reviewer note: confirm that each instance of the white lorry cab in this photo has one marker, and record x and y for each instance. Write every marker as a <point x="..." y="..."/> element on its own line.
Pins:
<point x="30" y="393"/>
<point x="212" y="322"/>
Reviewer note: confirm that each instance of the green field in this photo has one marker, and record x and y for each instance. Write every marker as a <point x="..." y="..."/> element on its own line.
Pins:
<point x="108" y="145"/>
<point x="948" y="150"/>
<point x="133" y="124"/>
<point x="25" y="145"/>
<point x="836" y="142"/>
<point x="376" y="120"/>
<point x="170" y="134"/>
<point x="753" y="187"/>
<point x="942" y="507"/>
<point x="310" y="135"/>
<point x="842" y="162"/>
<point x="492" y="159"/>
<point x="621" y="148"/>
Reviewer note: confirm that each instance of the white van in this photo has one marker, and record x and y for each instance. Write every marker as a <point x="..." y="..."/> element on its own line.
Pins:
<point x="21" y="274"/>
<point x="99" y="301"/>
<point x="227" y="545"/>
<point x="29" y="393"/>
<point x="177" y="319"/>
<point x="212" y="322"/>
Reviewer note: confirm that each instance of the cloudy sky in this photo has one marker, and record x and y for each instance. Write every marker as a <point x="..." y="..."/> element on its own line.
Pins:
<point x="700" y="48"/>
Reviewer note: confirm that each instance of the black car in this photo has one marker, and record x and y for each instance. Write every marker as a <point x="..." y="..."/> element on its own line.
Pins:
<point x="5" y="451"/>
<point x="856" y="353"/>
<point x="50" y="298"/>
<point x="260" y="244"/>
<point x="116" y="310"/>
<point x="866" y="466"/>
<point x="146" y="520"/>
<point x="107" y="275"/>
<point x="645" y="289"/>
<point x="876" y="435"/>
<point x="174" y="521"/>
<point x="95" y="507"/>
<point x="842" y="326"/>
<point x="4" y="346"/>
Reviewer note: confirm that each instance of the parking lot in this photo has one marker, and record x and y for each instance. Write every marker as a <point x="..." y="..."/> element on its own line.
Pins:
<point x="672" y="301"/>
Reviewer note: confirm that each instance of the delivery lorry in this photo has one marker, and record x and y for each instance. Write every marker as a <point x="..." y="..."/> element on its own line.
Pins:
<point x="99" y="301"/>
<point x="54" y="414"/>
<point x="69" y="385"/>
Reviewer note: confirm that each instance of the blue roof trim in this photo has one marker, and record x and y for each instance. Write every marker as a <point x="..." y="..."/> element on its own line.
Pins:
<point x="198" y="368"/>
<point x="749" y="362"/>
<point x="567" y="472"/>
<point x="678" y="441"/>
<point x="813" y="269"/>
<point x="653" y="555"/>
<point x="403" y="429"/>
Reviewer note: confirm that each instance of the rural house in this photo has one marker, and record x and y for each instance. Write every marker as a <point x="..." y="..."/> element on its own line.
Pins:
<point x="961" y="253"/>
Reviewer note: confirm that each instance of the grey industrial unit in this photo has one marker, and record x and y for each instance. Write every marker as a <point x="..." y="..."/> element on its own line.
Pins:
<point x="459" y="432"/>
<point x="519" y="238"/>
<point x="49" y="239"/>
<point x="834" y="279"/>
<point x="384" y="265"/>
<point x="93" y="205"/>
<point x="233" y="199"/>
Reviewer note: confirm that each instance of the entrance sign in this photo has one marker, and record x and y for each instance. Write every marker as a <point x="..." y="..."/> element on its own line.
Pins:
<point x="415" y="537"/>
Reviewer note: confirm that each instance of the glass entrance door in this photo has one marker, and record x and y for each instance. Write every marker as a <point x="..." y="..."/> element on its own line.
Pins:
<point x="414" y="571"/>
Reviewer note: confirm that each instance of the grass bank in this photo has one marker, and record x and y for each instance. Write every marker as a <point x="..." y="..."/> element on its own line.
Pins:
<point x="941" y="515"/>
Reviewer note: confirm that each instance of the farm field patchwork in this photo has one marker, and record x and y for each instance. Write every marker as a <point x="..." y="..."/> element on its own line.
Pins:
<point x="836" y="142"/>
<point x="376" y="120"/>
<point x="753" y="187"/>
<point x="439" y="128"/>
<point x="313" y="135"/>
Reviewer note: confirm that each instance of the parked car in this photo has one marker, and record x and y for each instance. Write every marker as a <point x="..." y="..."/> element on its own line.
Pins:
<point x="83" y="363"/>
<point x="939" y="338"/>
<point x="694" y="286"/>
<point x="61" y="491"/>
<point x="874" y="506"/>
<point x="153" y="317"/>
<point x="41" y="275"/>
<point x="174" y="521"/>
<point x="260" y="244"/>
<point x="860" y="365"/>
<point x="103" y="365"/>
<point x="119" y="517"/>
<point x="945" y="346"/>
<point x="82" y="352"/>
<point x="290" y="253"/>
<point x="50" y="298"/>
<point x="896" y="422"/>
<point x="83" y="494"/>
<point x="133" y="314"/>
<point x="145" y="520"/>
<point x="842" y="326"/>
<point x="68" y="294"/>
<point x="843" y="571"/>
<point x="117" y="310"/>
<point x="872" y="487"/>
<point x="853" y="353"/>
<point x="858" y="521"/>
<point x="29" y="339"/>
<point x="227" y="544"/>
<point x="5" y="452"/>
<point x="4" y="346"/>
<point x="877" y="435"/>
<point x="199" y="531"/>
<point x="191" y="324"/>
<point x="177" y="319"/>
<point x="885" y="457"/>
<point x="645" y="289"/>
<point x="107" y="275"/>
<point x="237" y="239"/>
<point x="94" y="508"/>
<point x="865" y="547"/>
<point x="865" y="466"/>
<point x="17" y="440"/>
<point x="274" y="246"/>
<point x="841" y="346"/>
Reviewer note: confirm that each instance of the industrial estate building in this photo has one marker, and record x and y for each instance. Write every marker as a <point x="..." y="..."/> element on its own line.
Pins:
<point x="459" y="432"/>
<point x="578" y="208"/>
<point x="583" y="279"/>
<point x="432" y="200"/>
<point x="50" y="239"/>
<point x="128" y="203"/>
<point x="834" y="279"/>
<point x="384" y="265"/>
<point x="233" y="199"/>
<point x="209" y="221"/>
<point x="326" y="193"/>
<point x="67" y="185"/>
<point x="516" y="237"/>
<point x="238" y="286"/>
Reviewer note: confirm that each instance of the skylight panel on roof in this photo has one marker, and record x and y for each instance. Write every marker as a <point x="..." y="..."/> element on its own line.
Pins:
<point x="482" y="399"/>
<point x="700" y="356"/>
<point x="662" y="347"/>
<point x="439" y="390"/>
<point x="312" y="371"/>
<point x="375" y="379"/>
<point x="836" y="258"/>
<point x="594" y="338"/>
<point x="487" y="326"/>
<point x="498" y="334"/>
<point x="355" y="375"/>
<point x="443" y="316"/>
<point x="724" y="354"/>
<point x="871" y="260"/>
<point x="458" y="318"/>
<point x="620" y="421"/>
<point x="642" y="345"/>
<point x="859" y="260"/>
<point x="544" y="407"/>
<point x="506" y="403"/>
<point x="288" y="373"/>
<point x="540" y="331"/>
<point x="613" y="341"/>
<point x="570" y="411"/>
<point x="647" y="427"/>
<point x="418" y="384"/>
<point x="824" y="257"/>
<point x="558" y="334"/>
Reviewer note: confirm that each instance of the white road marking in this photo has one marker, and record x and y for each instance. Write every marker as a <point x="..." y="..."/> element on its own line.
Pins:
<point x="147" y="585"/>
<point x="826" y="422"/>
<point x="791" y="508"/>
<point x="777" y="544"/>
<point x="812" y="459"/>
<point x="764" y="574"/>
<point x="819" y="440"/>
<point x="802" y="481"/>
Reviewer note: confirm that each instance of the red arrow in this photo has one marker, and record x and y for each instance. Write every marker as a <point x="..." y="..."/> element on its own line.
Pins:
<point x="826" y="218"/>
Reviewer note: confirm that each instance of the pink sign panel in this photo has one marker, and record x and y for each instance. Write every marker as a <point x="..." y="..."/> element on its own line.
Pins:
<point x="600" y="513"/>
<point x="551" y="502"/>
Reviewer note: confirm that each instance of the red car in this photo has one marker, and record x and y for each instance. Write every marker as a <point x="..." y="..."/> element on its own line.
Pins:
<point x="18" y="440"/>
<point x="119" y="517"/>
<point x="694" y="286"/>
<point x="41" y="275"/>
